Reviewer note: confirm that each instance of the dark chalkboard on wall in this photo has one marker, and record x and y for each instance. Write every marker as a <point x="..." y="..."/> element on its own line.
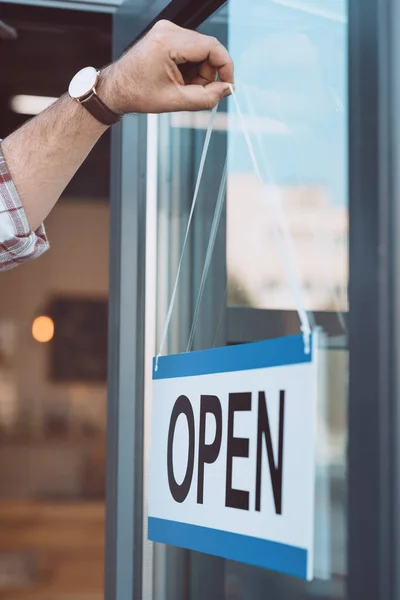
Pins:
<point x="78" y="351"/>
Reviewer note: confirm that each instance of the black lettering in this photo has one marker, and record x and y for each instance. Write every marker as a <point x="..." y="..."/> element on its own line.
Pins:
<point x="236" y="447"/>
<point x="180" y="491"/>
<point x="263" y="430"/>
<point x="208" y="453"/>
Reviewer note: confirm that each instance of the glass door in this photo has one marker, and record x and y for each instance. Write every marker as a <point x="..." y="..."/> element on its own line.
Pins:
<point x="291" y="84"/>
<point x="331" y="184"/>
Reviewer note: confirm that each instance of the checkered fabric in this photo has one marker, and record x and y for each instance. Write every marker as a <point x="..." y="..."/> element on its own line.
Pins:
<point x="17" y="242"/>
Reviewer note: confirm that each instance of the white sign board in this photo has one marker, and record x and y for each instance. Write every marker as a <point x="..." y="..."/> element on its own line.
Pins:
<point x="232" y="463"/>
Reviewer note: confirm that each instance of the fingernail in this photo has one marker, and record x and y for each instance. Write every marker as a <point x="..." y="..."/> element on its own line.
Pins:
<point x="226" y="92"/>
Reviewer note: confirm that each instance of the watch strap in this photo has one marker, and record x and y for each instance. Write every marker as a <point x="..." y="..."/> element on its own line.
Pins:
<point x="99" y="110"/>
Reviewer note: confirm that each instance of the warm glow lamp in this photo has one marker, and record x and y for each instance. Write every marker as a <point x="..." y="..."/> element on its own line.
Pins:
<point x="43" y="329"/>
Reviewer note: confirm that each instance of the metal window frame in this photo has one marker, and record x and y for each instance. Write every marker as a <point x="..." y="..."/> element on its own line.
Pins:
<point x="98" y="6"/>
<point x="374" y="453"/>
<point x="124" y="457"/>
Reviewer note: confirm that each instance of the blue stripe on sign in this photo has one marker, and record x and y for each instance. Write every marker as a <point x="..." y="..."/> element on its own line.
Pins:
<point x="233" y="546"/>
<point x="257" y="355"/>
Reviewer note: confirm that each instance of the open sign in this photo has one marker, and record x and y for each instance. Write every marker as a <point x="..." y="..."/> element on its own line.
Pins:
<point x="232" y="463"/>
<point x="208" y="453"/>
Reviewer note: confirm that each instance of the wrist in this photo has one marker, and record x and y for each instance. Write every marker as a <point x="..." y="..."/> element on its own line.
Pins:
<point x="109" y="89"/>
<point x="84" y="88"/>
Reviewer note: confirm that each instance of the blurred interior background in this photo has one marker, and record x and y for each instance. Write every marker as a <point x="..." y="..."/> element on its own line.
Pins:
<point x="53" y="335"/>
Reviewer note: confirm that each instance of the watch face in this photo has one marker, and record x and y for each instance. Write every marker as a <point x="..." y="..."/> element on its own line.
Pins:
<point x="83" y="82"/>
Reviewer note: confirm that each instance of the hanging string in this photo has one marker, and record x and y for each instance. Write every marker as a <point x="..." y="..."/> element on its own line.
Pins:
<point x="210" y="248"/>
<point x="194" y="200"/>
<point x="336" y="298"/>
<point x="290" y="276"/>
<point x="305" y="324"/>
<point x="278" y="204"/>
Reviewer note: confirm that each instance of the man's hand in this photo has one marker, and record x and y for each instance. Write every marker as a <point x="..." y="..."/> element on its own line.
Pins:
<point x="170" y="69"/>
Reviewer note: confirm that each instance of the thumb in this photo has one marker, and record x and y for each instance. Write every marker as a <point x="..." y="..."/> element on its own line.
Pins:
<point x="199" y="97"/>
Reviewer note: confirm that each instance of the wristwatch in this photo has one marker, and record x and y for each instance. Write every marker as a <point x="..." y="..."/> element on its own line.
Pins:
<point x="83" y="89"/>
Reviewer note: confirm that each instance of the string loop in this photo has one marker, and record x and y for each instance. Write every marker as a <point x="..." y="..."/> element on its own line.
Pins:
<point x="289" y="271"/>
<point x="195" y="194"/>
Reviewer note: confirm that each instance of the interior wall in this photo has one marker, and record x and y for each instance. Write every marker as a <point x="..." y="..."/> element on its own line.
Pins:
<point x="76" y="265"/>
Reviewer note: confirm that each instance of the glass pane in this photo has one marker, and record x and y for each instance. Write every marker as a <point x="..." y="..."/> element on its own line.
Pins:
<point x="291" y="73"/>
<point x="291" y="83"/>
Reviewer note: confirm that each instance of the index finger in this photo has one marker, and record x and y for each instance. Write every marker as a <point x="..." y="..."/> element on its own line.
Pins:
<point x="197" y="47"/>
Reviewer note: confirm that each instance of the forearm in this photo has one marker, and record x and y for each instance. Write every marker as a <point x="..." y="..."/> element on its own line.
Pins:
<point x="45" y="153"/>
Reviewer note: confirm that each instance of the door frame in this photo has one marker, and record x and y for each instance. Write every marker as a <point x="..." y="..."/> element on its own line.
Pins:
<point x="373" y="414"/>
<point x="98" y="6"/>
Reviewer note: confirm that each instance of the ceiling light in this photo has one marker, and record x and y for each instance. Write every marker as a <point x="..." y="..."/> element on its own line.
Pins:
<point x="43" y="329"/>
<point x="30" y="105"/>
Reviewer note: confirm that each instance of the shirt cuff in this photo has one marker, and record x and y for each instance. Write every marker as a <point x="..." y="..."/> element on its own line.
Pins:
<point x="17" y="242"/>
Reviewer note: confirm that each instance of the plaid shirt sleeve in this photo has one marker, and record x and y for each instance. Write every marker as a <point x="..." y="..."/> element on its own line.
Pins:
<point x="17" y="242"/>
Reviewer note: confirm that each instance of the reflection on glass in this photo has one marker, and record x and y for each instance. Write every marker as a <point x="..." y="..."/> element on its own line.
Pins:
<point x="291" y="71"/>
<point x="290" y="62"/>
